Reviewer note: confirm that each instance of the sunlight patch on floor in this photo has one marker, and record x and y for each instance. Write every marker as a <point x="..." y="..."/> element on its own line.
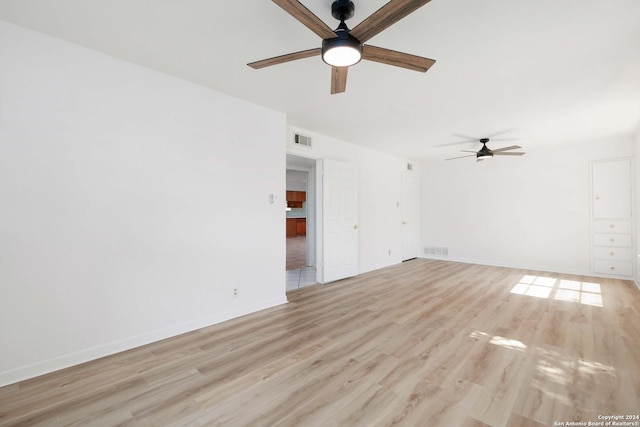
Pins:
<point x="586" y="293"/>
<point x="562" y="369"/>
<point x="507" y="343"/>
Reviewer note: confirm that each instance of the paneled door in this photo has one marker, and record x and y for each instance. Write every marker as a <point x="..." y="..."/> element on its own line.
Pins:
<point x="409" y="207"/>
<point x="340" y="213"/>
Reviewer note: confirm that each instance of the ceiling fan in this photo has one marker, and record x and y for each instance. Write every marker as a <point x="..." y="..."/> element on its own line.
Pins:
<point x="343" y="47"/>
<point x="486" y="153"/>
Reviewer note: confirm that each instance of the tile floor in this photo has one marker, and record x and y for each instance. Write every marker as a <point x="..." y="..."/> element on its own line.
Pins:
<point x="301" y="277"/>
<point x="298" y="276"/>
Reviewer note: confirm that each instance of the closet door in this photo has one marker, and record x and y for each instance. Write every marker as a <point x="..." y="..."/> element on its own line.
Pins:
<point x="611" y="181"/>
<point x="611" y="218"/>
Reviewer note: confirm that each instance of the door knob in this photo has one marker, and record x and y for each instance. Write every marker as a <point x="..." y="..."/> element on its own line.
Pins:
<point x="404" y="222"/>
<point x="355" y="227"/>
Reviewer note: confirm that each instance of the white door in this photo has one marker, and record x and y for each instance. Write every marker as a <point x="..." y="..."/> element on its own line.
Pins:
<point x="611" y="184"/>
<point x="340" y="217"/>
<point x="409" y="206"/>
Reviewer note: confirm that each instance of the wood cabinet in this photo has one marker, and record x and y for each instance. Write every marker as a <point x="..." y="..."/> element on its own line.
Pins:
<point x="296" y="227"/>
<point x="611" y="218"/>
<point x="301" y="226"/>
<point x="295" y="198"/>
<point x="292" y="227"/>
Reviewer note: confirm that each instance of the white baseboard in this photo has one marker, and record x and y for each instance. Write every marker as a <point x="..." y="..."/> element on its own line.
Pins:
<point x="546" y="268"/>
<point x="47" y="366"/>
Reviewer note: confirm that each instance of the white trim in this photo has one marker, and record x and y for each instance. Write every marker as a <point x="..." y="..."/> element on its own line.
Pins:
<point x="545" y="268"/>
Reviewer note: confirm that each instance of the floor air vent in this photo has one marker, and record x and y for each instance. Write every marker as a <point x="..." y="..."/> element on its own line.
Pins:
<point x="305" y="141"/>
<point x="433" y="251"/>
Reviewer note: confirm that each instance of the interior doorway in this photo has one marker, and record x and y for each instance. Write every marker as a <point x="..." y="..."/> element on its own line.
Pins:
<point x="301" y="218"/>
<point x="296" y="230"/>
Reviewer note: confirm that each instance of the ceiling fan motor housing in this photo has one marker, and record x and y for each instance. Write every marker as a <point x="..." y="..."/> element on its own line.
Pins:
<point x="342" y="9"/>
<point x="484" y="151"/>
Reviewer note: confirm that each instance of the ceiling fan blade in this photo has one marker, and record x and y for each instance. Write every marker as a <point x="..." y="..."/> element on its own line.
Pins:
<point x="398" y="59"/>
<point x="512" y="153"/>
<point x="338" y="79"/>
<point x="285" y="58"/>
<point x="466" y="139"/>
<point x="461" y="157"/>
<point x="385" y="17"/>
<point x="469" y="141"/>
<point x="468" y="151"/>
<point x="513" y="147"/>
<point x="306" y="17"/>
<point x="502" y="132"/>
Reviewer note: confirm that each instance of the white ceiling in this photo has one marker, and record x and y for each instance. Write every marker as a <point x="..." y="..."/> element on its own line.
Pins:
<point x="540" y="72"/>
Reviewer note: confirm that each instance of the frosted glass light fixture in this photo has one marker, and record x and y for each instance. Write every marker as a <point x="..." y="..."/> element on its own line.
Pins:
<point x="342" y="51"/>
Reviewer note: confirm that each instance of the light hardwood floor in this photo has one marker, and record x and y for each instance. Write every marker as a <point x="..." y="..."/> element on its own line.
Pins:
<point x="424" y="343"/>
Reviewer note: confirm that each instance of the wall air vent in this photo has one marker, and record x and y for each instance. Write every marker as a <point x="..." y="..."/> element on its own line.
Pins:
<point x="302" y="140"/>
<point x="436" y="252"/>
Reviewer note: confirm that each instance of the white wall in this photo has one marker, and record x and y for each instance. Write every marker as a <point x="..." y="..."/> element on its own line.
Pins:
<point x="297" y="180"/>
<point x="380" y="191"/>
<point x="530" y="211"/>
<point x="118" y="221"/>
<point x="636" y="188"/>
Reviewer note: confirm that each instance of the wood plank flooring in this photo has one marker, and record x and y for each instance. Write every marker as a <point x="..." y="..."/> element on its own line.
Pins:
<point x="424" y="343"/>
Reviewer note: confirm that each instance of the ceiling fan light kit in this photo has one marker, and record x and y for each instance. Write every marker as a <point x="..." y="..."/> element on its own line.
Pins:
<point x="343" y="47"/>
<point x="343" y="51"/>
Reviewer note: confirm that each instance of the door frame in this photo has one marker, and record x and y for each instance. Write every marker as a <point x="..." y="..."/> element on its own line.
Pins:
<point x="314" y="209"/>
<point x="315" y="232"/>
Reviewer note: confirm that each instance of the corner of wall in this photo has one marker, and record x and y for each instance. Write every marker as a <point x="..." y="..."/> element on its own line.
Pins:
<point x="636" y="216"/>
